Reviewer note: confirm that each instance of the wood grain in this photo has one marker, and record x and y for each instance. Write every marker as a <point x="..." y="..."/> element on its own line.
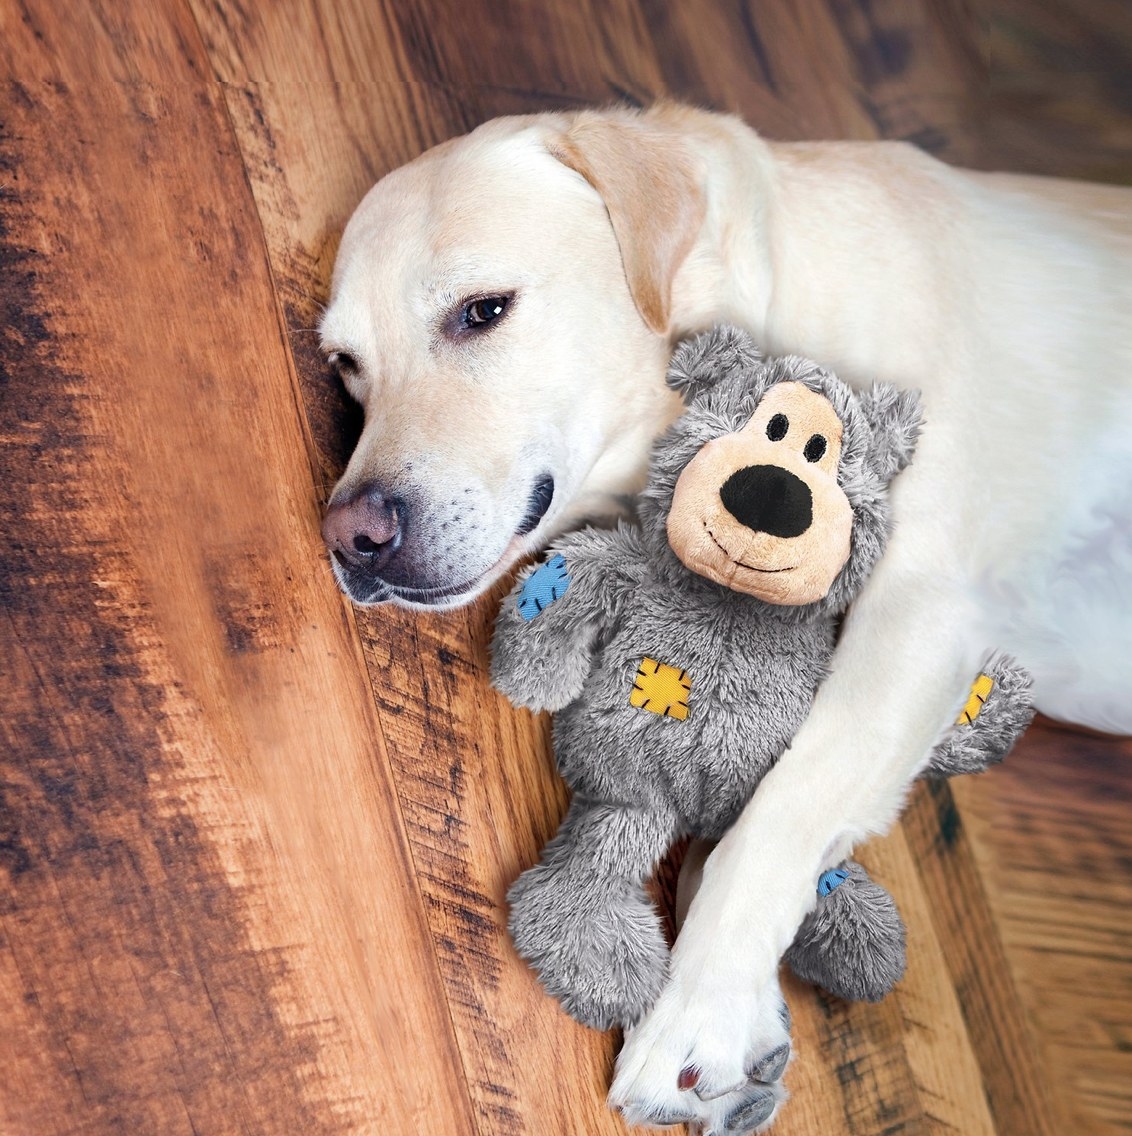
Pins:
<point x="1014" y="1081"/>
<point x="1052" y="838"/>
<point x="210" y="909"/>
<point x="254" y="843"/>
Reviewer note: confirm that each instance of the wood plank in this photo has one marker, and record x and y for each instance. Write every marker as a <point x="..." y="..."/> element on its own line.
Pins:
<point x="1051" y="833"/>
<point x="951" y="1074"/>
<point x="597" y="50"/>
<point x="1055" y="99"/>
<point x="209" y="916"/>
<point x="1015" y="1082"/>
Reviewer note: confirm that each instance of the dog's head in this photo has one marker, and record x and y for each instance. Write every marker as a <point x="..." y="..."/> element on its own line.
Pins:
<point x="774" y="482"/>
<point x="500" y="308"/>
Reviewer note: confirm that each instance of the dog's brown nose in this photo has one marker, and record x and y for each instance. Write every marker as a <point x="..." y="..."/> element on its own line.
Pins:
<point x="365" y="529"/>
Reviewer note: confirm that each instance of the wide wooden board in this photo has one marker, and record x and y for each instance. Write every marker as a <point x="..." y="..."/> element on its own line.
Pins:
<point x="210" y="917"/>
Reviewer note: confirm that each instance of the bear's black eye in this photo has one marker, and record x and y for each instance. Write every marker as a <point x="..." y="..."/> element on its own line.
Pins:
<point x="815" y="448"/>
<point x="776" y="428"/>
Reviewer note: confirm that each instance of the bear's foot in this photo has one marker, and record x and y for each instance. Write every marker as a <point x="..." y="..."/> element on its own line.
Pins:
<point x="596" y="945"/>
<point x="852" y="943"/>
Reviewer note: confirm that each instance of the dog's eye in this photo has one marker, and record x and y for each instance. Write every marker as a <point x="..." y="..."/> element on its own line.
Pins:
<point x="776" y="428"/>
<point x="815" y="448"/>
<point x="344" y="364"/>
<point x="487" y="309"/>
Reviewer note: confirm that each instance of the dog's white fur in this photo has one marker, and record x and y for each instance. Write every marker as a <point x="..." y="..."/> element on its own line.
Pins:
<point x="1007" y="301"/>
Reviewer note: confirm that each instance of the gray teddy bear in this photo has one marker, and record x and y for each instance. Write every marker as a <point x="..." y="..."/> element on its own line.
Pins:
<point x="682" y="654"/>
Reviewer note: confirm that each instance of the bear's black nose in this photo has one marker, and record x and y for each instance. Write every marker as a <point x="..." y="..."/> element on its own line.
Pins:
<point x="769" y="499"/>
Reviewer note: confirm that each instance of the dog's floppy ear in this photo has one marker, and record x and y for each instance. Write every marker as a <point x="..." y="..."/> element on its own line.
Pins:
<point x="895" y="418"/>
<point x="704" y="361"/>
<point x="647" y="179"/>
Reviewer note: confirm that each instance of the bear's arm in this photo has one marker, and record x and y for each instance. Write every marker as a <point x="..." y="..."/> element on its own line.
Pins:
<point x="996" y="715"/>
<point x="558" y="614"/>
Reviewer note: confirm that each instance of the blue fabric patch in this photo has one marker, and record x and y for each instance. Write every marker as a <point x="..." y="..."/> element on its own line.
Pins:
<point x="830" y="881"/>
<point x="543" y="586"/>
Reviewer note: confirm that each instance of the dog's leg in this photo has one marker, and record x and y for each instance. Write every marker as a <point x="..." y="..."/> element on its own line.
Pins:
<point x="900" y="674"/>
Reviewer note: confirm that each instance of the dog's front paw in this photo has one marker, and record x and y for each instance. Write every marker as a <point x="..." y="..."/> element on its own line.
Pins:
<point x="715" y="1065"/>
<point x="599" y="950"/>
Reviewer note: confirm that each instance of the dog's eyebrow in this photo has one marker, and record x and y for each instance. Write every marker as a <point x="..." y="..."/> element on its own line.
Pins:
<point x="457" y="277"/>
<point x="452" y="270"/>
<point x="447" y="295"/>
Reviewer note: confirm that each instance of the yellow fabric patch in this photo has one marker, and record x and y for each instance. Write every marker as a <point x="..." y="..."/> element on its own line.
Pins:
<point x="980" y="691"/>
<point x="661" y="689"/>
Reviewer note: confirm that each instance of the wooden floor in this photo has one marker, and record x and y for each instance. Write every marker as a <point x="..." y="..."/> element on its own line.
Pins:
<point x="254" y="843"/>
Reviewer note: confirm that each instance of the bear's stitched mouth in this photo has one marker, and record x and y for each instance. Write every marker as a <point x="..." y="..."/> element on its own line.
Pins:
<point x="749" y="567"/>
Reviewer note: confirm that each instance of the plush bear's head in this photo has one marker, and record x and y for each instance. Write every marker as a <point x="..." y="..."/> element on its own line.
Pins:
<point x="774" y="481"/>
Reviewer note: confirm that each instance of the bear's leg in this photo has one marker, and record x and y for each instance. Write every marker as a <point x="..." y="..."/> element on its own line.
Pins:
<point x="582" y="919"/>
<point x="852" y="943"/>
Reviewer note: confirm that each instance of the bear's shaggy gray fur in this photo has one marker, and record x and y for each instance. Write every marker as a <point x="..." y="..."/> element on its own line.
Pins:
<point x="640" y="780"/>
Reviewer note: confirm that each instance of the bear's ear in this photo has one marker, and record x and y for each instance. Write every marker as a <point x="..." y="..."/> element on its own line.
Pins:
<point x="704" y="362"/>
<point x="895" y="418"/>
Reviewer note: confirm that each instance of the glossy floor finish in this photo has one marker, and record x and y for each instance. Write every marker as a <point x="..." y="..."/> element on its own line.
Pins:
<point x="253" y="843"/>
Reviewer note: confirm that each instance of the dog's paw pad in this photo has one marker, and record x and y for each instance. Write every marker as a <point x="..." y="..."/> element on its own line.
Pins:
<point x="770" y="1067"/>
<point x="684" y="1061"/>
<point x="712" y="1088"/>
<point x="664" y="1118"/>
<point x="754" y="1108"/>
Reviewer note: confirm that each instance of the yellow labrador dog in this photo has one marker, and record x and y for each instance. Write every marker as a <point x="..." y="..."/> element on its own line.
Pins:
<point x="504" y="308"/>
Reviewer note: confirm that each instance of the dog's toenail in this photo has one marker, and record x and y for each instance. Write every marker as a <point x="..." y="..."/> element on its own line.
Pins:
<point x="688" y="1079"/>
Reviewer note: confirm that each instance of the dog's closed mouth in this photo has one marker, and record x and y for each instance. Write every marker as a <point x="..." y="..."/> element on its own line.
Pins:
<point x="360" y="589"/>
<point x="372" y="591"/>
<point x="431" y="596"/>
<point x="541" y="496"/>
